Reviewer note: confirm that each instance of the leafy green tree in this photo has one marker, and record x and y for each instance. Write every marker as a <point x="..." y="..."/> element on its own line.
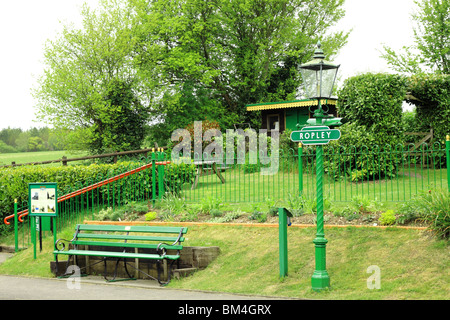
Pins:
<point x="431" y="41"/>
<point x="89" y="88"/>
<point x="230" y="52"/>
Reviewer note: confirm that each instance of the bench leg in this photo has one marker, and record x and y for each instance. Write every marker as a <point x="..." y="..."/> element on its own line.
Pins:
<point x="115" y="271"/>
<point x="169" y="271"/>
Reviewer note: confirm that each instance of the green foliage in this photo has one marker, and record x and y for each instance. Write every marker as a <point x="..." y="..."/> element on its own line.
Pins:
<point x="435" y="208"/>
<point x="210" y="204"/>
<point x="431" y="41"/>
<point x="387" y="218"/>
<point x="222" y="55"/>
<point x="374" y="101"/>
<point x="432" y="101"/>
<point x="371" y="107"/>
<point x="89" y="89"/>
<point x="149" y="216"/>
<point x="35" y="139"/>
<point x="357" y="155"/>
<point x="14" y="183"/>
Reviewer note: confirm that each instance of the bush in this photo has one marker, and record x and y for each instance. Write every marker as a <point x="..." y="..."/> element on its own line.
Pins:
<point x="432" y="93"/>
<point x="435" y="206"/>
<point x="387" y="218"/>
<point x="371" y="107"/>
<point x="14" y="182"/>
<point x="357" y="155"/>
<point x="151" y="216"/>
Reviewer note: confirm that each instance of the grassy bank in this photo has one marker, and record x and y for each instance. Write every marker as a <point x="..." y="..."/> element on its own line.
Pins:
<point x="413" y="264"/>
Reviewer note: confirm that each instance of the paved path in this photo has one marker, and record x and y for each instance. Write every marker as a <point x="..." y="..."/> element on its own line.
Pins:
<point x="95" y="288"/>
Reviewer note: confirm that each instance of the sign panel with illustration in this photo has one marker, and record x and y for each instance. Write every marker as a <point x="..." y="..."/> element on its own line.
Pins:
<point x="43" y="199"/>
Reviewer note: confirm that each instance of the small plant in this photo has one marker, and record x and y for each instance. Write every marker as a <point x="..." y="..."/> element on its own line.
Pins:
<point x="258" y="215"/>
<point x="109" y="214"/>
<point x="273" y="209"/>
<point x="215" y="213"/>
<point x="362" y="204"/>
<point x="435" y="206"/>
<point x="149" y="216"/>
<point x="210" y="203"/>
<point x="387" y="218"/>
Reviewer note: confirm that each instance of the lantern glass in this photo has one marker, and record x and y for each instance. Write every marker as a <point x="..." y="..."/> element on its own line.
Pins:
<point x="319" y="76"/>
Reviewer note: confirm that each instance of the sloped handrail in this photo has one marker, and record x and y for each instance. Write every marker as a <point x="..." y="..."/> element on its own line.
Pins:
<point x="23" y="213"/>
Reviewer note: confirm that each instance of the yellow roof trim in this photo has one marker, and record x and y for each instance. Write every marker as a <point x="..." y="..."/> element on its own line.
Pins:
<point x="289" y="104"/>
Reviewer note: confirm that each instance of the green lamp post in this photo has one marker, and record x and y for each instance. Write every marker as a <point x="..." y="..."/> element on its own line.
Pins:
<point x="318" y="80"/>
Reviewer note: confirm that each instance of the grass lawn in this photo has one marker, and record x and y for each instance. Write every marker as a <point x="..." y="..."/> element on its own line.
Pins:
<point x="26" y="157"/>
<point x="413" y="264"/>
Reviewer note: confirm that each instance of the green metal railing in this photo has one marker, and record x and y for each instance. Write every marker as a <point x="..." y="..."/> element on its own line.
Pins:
<point x="138" y="183"/>
<point x="382" y="174"/>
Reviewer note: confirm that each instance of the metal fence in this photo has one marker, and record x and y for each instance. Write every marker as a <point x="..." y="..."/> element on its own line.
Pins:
<point x="381" y="174"/>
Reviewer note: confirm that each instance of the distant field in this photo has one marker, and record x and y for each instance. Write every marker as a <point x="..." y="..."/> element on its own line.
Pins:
<point x="26" y="157"/>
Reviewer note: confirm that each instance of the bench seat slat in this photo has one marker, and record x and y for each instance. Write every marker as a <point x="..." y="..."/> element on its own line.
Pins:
<point x="111" y="254"/>
<point x="126" y="237"/>
<point x="126" y="244"/>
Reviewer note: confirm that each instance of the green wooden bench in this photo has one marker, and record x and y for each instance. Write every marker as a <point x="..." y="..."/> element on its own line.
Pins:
<point x="118" y="242"/>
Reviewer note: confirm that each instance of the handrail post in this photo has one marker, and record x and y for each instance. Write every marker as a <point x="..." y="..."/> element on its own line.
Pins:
<point x="153" y="176"/>
<point x="160" y="174"/>
<point x="16" y="227"/>
<point x="283" y="245"/>
<point x="447" y="150"/>
<point x="300" y="169"/>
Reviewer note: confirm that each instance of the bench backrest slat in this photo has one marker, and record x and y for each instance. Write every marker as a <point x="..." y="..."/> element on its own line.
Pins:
<point x="130" y="236"/>
<point x="126" y="237"/>
<point x="126" y="245"/>
<point x="118" y="228"/>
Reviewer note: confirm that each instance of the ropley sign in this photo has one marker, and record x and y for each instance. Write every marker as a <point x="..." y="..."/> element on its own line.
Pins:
<point x="315" y="135"/>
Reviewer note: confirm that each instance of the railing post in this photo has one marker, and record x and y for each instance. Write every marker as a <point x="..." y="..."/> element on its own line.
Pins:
<point x="160" y="174"/>
<point x="153" y="176"/>
<point x="282" y="227"/>
<point x="300" y="169"/>
<point x="16" y="228"/>
<point x="447" y="150"/>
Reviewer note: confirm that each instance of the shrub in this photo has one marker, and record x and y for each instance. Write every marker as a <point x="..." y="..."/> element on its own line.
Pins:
<point x="371" y="107"/>
<point x="387" y="218"/>
<point x="435" y="206"/>
<point x="149" y="216"/>
<point x="432" y="93"/>
<point x="14" y="182"/>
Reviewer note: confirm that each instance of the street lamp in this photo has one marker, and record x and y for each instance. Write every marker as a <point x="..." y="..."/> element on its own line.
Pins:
<point x="318" y="79"/>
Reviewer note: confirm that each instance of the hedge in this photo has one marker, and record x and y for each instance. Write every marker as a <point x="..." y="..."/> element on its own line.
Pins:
<point x="432" y="101"/>
<point x="371" y="107"/>
<point x="14" y="181"/>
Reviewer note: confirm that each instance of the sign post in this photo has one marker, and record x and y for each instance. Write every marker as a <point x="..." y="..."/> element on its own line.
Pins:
<point x="318" y="135"/>
<point x="43" y="210"/>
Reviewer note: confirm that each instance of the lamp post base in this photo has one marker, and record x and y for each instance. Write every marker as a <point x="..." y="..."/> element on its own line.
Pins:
<point x="320" y="279"/>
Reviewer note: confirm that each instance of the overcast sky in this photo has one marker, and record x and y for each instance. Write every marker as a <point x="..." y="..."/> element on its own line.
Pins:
<point x="25" y="25"/>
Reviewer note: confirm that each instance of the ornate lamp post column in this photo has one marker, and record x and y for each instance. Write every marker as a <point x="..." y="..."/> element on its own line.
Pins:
<point x="318" y="79"/>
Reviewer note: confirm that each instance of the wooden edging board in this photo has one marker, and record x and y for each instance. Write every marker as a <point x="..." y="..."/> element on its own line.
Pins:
<point x="231" y="224"/>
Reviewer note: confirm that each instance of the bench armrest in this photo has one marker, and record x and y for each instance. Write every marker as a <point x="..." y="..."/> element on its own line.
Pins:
<point x="60" y="245"/>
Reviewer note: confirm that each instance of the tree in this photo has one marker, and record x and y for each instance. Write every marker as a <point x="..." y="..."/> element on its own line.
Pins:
<point x="231" y="52"/>
<point x="431" y="38"/>
<point x="89" y="88"/>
